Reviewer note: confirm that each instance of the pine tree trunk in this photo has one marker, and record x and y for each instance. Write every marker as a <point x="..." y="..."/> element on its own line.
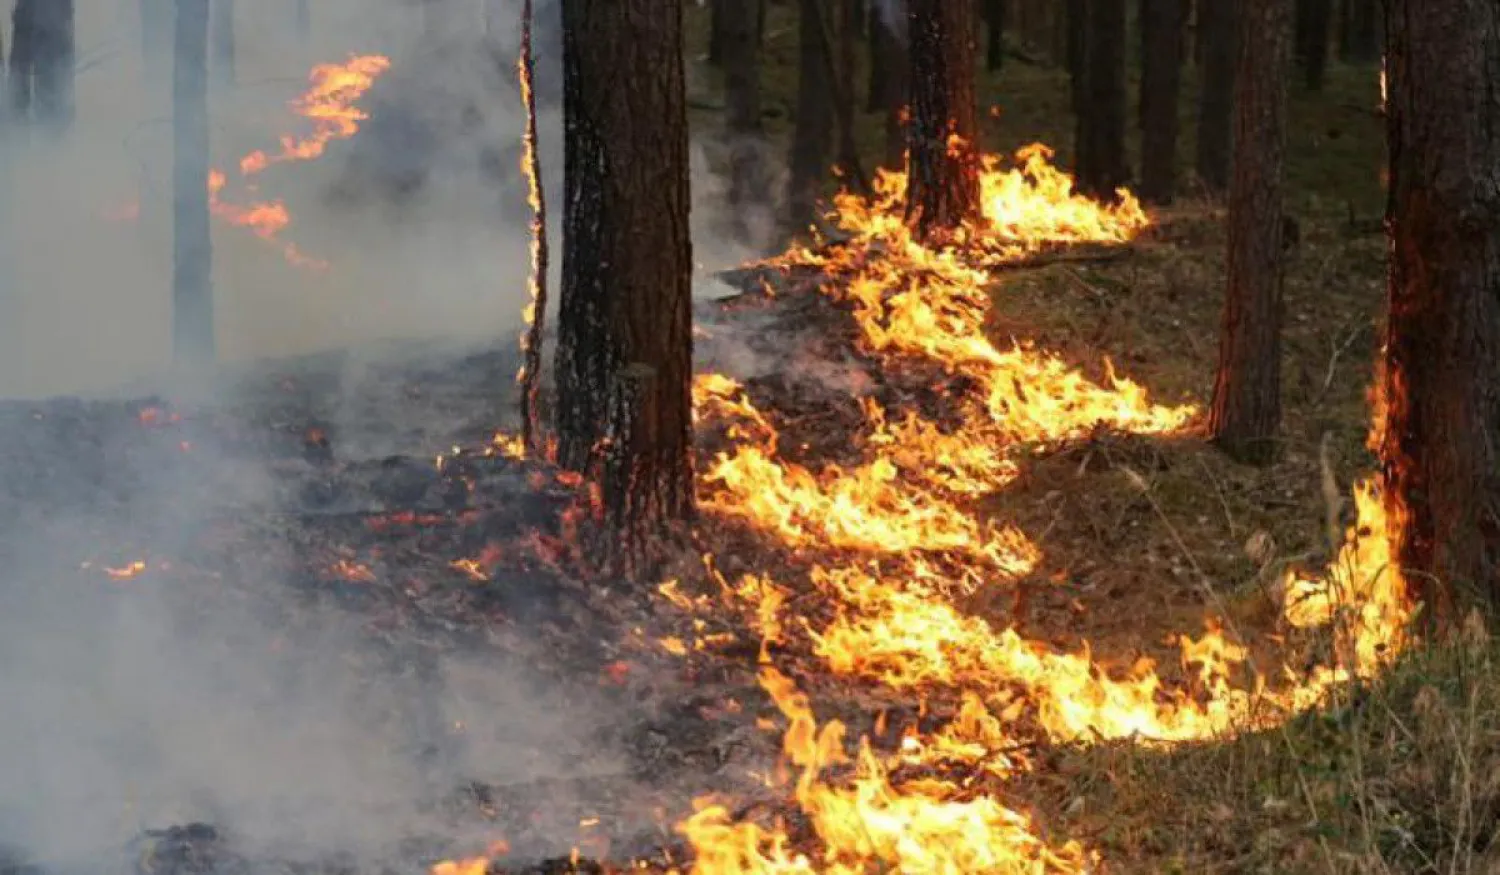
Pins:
<point x="1163" y="24"/>
<point x="812" y="137"/>
<point x="942" y="184"/>
<point x="625" y="347"/>
<point x="1218" y="33"/>
<point x="743" y="129"/>
<point x="1313" y="20"/>
<point x="192" y="247"/>
<point x="1101" y="126"/>
<point x="994" y="22"/>
<point x="42" y="63"/>
<point x="22" y="59"/>
<point x="223" y="41"/>
<point x="1247" y="391"/>
<point x="1440" y="441"/>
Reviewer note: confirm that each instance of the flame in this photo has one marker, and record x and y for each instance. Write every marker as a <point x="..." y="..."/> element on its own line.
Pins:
<point x="329" y="103"/>
<point x="892" y="541"/>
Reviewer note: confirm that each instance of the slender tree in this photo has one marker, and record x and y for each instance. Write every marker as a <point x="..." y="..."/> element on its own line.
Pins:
<point x="1076" y="23"/>
<point x="192" y="247"/>
<point x="304" y="18"/>
<point x="1218" y="34"/>
<point x="222" y="55"/>
<point x="942" y="179"/>
<point x="1439" y="425"/>
<point x="812" y="136"/>
<point x="625" y="347"/>
<point x="740" y="58"/>
<point x="1163" y="25"/>
<point x="42" y="62"/>
<point x="1100" y="136"/>
<point x="1247" y="392"/>
<point x="716" y="28"/>
<point x="890" y="90"/>
<point x="1313" y="20"/>
<point x="156" y="41"/>
<point x="1359" y="32"/>
<point x="994" y="24"/>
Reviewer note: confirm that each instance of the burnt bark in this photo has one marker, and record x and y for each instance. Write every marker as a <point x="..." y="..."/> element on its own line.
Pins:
<point x="743" y="130"/>
<point x="994" y="43"/>
<point x="1100" y="132"/>
<point x="1439" y="437"/>
<point x="812" y="137"/>
<point x="1313" y="20"/>
<point x="1359" y="33"/>
<point x="192" y="247"/>
<point x="942" y="180"/>
<point x="625" y="348"/>
<point x="1218" y="36"/>
<point x="1163" y="25"/>
<point x="1247" y="390"/>
<point x="222" y="55"/>
<point x="42" y="60"/>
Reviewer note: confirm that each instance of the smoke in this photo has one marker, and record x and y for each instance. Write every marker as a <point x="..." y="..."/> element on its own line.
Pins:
<point x="173" y="697"/>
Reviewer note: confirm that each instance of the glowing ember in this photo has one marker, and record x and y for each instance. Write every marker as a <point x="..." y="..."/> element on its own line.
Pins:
<point x="329" y="105"/>
<point x="125" y="572"/>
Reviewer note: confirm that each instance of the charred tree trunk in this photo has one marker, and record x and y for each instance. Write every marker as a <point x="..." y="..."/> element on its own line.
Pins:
<point x="942" y="181"/>
<point x="1218" y="34"/>
<point x="1163" y="24"/>
<point x="1439" y="440"/>
<point x="812" y="138"/>
<point x="1361" y="41"/>
<point x="223" y="41"/>
<point x="888" y="35"/>
<point x="994" y="44"/>
<point x="42" y="61"/>
<point x="192" y="247"/>
<point x="625" y="345"/>
<point x="1100" y="139"/>
<point x="1247" y="391"/>
<point x="743" y="129"/>
<point x="1313" y="20"/>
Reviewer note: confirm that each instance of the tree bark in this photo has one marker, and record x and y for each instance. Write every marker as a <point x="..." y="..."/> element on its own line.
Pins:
<point x="625" y="347"/>
<point x="1247" y="391"/>
<point x="812" y="137"/>
<point x="875" y="86"/>
<point x="222" y="21"/>
<point x="1163" y="24"/>
<point x="942" y="181"/>
<point x="743" y="129"/>
<point x="1100" y="139"/>
<point x="1218" y="34"/>
<point x="994" y="22"/>
<point x="1439" y="437"/>
<point x="192" y="247"/>
<point x="1313" y="20"/>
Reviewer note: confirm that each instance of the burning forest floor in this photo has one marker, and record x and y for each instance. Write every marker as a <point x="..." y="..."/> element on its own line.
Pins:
<point x="1070" y="635"/>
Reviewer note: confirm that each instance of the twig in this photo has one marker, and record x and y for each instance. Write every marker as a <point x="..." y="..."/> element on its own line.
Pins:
<point x="1333" y="361"/>
<point x="531" y="342"/>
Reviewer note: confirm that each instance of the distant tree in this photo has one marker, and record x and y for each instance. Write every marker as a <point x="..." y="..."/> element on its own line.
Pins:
<point x="1313" y="20"/>
<point x="1218" y="34"/>
<point x="192" y="246"/>
<point x="625" y="345"/>
<point x="1100" y="131"/>
<point x="942" y="180"/>
<point x="994" y="44"/>
<point x="1163" y="27"/>
<point x="1359" y="32"/>
<point x="740" y="51"/>
<point x="156" y="40"/>
<point x="1247" y="391"/>
<point x="42" y="60"/>
<point x="889" y="66"/>
<point x="223" y="41"/>
<point x="812" y="135"/>
<point x="1076" y="23"/>
<point x="304" y="18"/>
<point x="1439" y="437"/>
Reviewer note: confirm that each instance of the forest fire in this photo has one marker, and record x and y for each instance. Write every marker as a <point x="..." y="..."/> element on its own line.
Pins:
<point x="329" y="103"/>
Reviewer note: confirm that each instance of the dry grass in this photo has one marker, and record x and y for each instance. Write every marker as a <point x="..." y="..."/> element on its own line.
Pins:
<point x="1402" y="775"/>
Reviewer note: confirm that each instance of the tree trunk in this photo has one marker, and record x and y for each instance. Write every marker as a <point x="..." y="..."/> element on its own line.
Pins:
<point x="625" y="346"/>
<point x="156" y="40"/>
<point x="42" y="61"/>
<point x="192" y="247"/>
<point x="716" y="25"/>
<point x="812" y="138"/>
<point x="942" y="181"/>
<point x="304" y="18"/>
<point x="1101" y="166"/>
<point x="1362" y="45"/>
<point x="889" y="26"/>
<point x="1247" y="391"/>
<point x="1077" y="23"/>
<point x="994" y="22"/>
<point x="223" y="41"/>
<point x="1163" y="24"/>
<point x="743" y="130"/>
<point x="1439" y="439"/>
<point x="1218" y="34"/>
<point x="1313" y="20"/>
<point x="878" y="38"/>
